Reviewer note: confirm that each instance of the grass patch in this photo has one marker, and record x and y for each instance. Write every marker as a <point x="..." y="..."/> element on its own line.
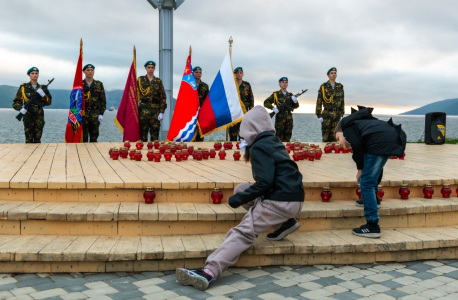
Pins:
<point x="453" y="141"/>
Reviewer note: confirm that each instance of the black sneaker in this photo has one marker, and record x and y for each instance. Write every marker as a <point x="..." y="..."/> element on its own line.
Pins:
<point x="286" y="228"/>
<point x="197" y="278"/>
<point x="361" y="204"/>
<point x="368" y="231"/>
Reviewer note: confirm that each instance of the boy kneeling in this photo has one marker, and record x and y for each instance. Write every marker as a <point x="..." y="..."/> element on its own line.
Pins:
<point x="373" y="142"/>
<point x="273" y="201"/>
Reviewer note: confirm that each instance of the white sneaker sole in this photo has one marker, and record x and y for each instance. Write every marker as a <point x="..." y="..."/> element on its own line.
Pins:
<point x="368" y="235"/>
<point x="286" y="232"/>
<point x="185" y="279"/>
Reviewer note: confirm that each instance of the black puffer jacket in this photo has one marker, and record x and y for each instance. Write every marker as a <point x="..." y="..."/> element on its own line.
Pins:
<point x="367" y="134"/>
<point x="277" y="176"/>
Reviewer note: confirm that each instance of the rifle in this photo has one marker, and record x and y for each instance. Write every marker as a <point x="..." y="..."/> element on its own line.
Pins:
<point x="288" y="104"/>
<point x="33" y="101"/>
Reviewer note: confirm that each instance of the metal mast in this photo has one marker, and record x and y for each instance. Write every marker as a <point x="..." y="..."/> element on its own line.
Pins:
<point x="166" y="8"/>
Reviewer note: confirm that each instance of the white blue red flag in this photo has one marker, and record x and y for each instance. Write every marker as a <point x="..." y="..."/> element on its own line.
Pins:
<point x="183" y="127"/>
<point x="222" y="108"/>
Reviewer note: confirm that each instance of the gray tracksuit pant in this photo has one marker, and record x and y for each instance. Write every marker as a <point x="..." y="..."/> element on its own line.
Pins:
<point x="261" y="215"/>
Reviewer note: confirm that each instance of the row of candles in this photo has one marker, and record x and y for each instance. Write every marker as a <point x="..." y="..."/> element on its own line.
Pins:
<point x="162" y="146"/>
<point x="180" y="155"/>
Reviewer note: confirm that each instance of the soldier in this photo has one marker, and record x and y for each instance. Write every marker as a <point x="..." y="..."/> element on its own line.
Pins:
<point x="331" y="97"/>
<point x="246" y="95"/>
<point x="153" y="103"/>
<point x="95" y="104"/>
<point x="34" y="117"/>
<point x="202" y="90"/>
<point x="284" y="118"/>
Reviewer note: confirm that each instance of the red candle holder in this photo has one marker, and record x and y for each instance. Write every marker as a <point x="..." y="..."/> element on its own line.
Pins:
<point x="456" y="191"/>
<point x="288" y="150"/>
<point x="115" y="154"/>
<point x="149" y="145"/>
<point x="150" y="155"/>
<point x="336" y="149"/>
<point x="110" y="152"/>
<point x="292" y="146"/>
<point x="124" y="152"/>
<point x="190" y="150"/>
<point x="358" y="192"/>
<point x="212" y="153"/>
<point x="167" y="146"/>
<point x="205" y="153"/>
<point x="344" y="150"/>
<point x="326" y="194"/>
<point x="184" y="154"/>
<point x="168" y="155"/>
<point x="157" y="156"/>
<point x="184" y="146"/>
<point x="217" y="196"/>
<point x="222" y="154"/>
<point x="288" y="144"/>
<point x="217" y="146"/>
<point x="237" y="145"/>
<point x="127" y="145"/>
<point x="178" y="155"/>
<point x="428" y="191"/>
<point x="132" y="154"/>
<point x="296" y="156"/>
<point x="236" y="155"/>
<point x="149" y="195"/>
<point x="199" y="155"/>
<point x="380" y="192"/>
<point x="350" y="150"/>
<point x="402" y="157"/>
<point x="156" y="144"/>
<point x="138" y="155"/>
<point x="327" y="149"/>
<point x="139" y="145"/>
<point x="318" y="154"/>
<point x="311" y="155"/>
<point x="162" y="149"/>
<point x="173" y="149"/>
<point x="404" y="192"/>
<point x="446" y="191"/>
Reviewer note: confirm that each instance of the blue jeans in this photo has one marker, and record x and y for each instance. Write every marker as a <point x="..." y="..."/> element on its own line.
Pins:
<point x="373" y="167"/>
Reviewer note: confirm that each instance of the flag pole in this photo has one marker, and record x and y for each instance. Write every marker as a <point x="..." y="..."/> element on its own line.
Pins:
<point x="230" y="53"/>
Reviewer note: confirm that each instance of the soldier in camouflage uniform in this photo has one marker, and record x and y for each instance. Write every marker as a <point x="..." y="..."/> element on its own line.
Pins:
<point x="331" y="98"/>
<point x="246" y="95"/>
<point x="95" y="104"/>
<point x="34" y="117"/>
<point x="284" y="118"/>
<point x="153" y="103"/>
<point x="202" y="91"/>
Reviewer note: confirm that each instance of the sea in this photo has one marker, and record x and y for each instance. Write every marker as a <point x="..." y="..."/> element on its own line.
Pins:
<point x="306" y="127"/>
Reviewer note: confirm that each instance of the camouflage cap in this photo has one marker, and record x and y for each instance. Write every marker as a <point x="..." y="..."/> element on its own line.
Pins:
<point x="197" y="69"/>
<point x="238" y="69"/>
<point x="283" y="78"/>
<point x="331" y="69"/>
<point x="33" y="69"/>
<point x="150" y="63"/>
<point x="88" y="66"/>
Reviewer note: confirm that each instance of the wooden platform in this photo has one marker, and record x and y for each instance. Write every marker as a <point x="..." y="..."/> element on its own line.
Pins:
<point x="88" y="166"/>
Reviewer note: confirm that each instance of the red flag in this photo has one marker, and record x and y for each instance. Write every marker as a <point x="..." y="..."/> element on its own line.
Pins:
<point x="74" y="130"/>
<point x="127" y="119"/>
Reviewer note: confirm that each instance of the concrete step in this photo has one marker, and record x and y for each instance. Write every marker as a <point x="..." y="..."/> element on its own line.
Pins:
<point x="61" y="253"/>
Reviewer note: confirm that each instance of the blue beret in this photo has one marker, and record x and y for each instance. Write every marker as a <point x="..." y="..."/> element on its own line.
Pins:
<point x="150" y="62"/>
<point x="33" y="69"/>
<point x="331" y="69"/>
<point x="238" y="69"/>
<point x="197" y="69"/>
<point x="283" y="78"/>
<point x="88" y="66"/>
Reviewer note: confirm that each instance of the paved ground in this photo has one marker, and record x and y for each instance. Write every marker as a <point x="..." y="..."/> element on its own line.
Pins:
<point x="416" y="281"/>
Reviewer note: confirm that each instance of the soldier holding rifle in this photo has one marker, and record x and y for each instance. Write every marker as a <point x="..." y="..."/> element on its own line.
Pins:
<point x="33" y="114"/>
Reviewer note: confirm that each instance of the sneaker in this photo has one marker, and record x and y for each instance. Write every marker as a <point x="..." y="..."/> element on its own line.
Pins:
<point x="197" y="278"/>
<point x="286" y="228"/>
<point x="361" y="204"/>
<point x="367" y="230"/>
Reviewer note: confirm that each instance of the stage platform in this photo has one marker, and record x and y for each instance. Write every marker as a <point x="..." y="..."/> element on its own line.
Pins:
<point x="70" y="208"/>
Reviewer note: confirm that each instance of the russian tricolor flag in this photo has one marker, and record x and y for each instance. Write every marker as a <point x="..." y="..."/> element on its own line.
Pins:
<point x="222" y="108"/>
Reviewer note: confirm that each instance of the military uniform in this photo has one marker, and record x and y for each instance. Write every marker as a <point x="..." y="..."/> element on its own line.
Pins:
<point x="332" y="101"/>
<point x="152" y="102"/>
<point x="95" y="104"/>
<point x="34" y="119"/>
<point x="246" y="95"/>
<point x="284" y="118"/>
<point x="202" y="91"/>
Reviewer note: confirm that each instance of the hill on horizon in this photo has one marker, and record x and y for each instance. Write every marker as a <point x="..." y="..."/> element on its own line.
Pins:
<point x="448" y="106"/>
<point x="60" y="98"/>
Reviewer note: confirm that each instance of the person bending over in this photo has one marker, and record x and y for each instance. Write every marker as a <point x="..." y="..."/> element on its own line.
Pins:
<point x="373" y="142"/>
<point x="273" y="201"/>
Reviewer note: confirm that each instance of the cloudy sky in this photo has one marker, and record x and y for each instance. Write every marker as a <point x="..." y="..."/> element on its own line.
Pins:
<point x="394" y="55"/>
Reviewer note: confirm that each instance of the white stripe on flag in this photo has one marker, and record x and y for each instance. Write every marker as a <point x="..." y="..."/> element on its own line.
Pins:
<point x="227" y="74"/>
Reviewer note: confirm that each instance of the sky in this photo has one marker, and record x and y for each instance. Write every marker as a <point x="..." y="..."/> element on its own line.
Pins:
<point x="392" y="55"/>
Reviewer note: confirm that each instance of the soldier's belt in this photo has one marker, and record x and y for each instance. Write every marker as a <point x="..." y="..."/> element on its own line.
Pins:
<point x="284" y="112"/>
<point x="332" y="109"/>
<point x="90" y="108"/>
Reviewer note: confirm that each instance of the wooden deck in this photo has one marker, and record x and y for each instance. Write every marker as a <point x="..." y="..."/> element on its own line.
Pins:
<point x="88" y="166"/>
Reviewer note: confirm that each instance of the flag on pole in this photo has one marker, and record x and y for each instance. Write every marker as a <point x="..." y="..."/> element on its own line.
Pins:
<point x="127" y="119"/>
<point x="184" y="121"/>
<point x="222" y="108"/>
<point x="74" y="130"/>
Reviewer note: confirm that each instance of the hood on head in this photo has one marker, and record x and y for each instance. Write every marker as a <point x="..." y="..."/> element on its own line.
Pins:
<point x="254" y="122"/>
